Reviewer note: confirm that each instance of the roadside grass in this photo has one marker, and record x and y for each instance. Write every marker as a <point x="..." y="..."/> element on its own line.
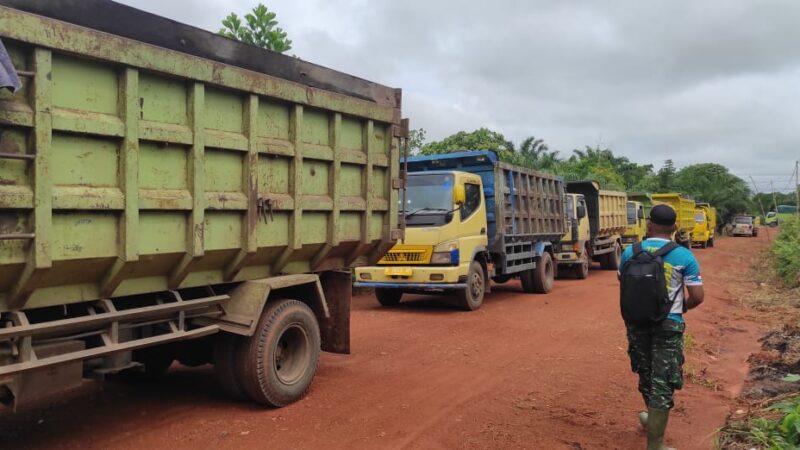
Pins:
<point x="768" y="411"/>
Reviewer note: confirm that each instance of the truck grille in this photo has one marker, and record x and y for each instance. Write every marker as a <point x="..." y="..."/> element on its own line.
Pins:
<point x="407" y="254"/>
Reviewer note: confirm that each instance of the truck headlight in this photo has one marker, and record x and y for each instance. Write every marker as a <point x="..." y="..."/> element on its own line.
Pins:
<point x="442" y="258"/>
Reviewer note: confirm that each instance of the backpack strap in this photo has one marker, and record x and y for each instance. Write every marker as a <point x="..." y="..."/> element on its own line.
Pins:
<point x="668" y="247"/>
<point x="637" y="248"/>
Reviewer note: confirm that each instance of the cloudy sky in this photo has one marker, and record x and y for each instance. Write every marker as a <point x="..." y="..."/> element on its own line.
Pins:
<point x="693" y="81"/>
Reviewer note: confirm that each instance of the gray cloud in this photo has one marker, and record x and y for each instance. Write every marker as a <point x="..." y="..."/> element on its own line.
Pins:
<point x="715" y="80"/>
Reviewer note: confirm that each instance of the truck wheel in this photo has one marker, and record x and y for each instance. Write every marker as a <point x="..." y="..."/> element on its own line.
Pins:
<point x="543" y="274"/>
<point x="277" y="364"/>
<point x="711" y="242"/>
<point x="704" y="244"/>
<point x="388" y="297"/>
<point x="471" y="298"/>
<point x="500" y="279"/>
<point x="225" y="347"/>
<point x="582" y="268"/>
<point x="610" y="260"/>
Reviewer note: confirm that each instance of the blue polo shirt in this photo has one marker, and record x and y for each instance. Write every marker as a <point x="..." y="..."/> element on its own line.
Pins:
<point x="680" y="267"/>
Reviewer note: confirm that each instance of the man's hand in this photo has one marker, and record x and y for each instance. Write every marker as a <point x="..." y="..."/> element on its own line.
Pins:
<point x="696" y="296"/>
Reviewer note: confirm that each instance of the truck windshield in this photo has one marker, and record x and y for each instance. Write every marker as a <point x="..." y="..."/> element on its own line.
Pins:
<point x="631" y="213"/>
<point x="699" y="217"/>
<point x="429" y="200"/>
<point x="744" y="220"/>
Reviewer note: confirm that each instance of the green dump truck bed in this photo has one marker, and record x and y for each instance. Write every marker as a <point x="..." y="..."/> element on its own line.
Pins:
<point x="170" y="194"/>
<point x="130" y="168"/>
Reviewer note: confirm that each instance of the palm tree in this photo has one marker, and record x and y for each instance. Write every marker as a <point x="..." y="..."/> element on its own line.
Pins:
<point x="534" y="153"/>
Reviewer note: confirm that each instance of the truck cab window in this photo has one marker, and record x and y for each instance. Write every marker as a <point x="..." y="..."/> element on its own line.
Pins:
<point x="472" y="202"/>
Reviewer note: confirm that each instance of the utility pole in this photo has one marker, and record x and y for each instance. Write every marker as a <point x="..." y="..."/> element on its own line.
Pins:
<point x="797" y="186"/>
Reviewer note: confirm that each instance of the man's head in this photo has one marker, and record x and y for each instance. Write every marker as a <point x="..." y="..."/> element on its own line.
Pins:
<point x="662" y="222"/>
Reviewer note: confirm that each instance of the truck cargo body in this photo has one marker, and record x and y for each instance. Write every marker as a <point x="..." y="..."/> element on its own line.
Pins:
<point x="598" y="218"/>
<point x="520" y="215"/>
<point x="684" y="210"/>
<point x="149" y="196"/>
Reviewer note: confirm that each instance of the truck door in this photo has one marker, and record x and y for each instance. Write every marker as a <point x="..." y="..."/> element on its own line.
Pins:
<point x="583" y="222"/>
<point x="472" y="227"/>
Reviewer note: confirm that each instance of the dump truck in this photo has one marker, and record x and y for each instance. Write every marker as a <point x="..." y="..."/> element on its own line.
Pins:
<point x="745" y="225"/>
<point x="470" y="218"/>
<point x="637" y="224"/>
<point x="597" y="220"/>
<point x="168" y="194"/>
<point x="705" y="226"/>
<point x="684" y="211"/>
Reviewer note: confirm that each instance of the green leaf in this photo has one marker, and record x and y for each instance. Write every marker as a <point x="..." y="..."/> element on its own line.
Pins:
<point x="791" y="378"/>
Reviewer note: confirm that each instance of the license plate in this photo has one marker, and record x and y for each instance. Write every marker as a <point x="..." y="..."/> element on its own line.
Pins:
<point x="398" y="271"/>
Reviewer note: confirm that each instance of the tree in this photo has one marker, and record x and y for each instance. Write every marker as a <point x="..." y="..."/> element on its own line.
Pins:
<point x="260" y="30"/>
<point x="534" y="153"/>
<point x="480" y="139"/>
<point x="666" y="177"/>
<point x="713" y="183"/>
<point x="416" y="140"/>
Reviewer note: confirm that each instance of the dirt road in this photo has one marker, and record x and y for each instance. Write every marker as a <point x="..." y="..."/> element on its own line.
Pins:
<point x="524" y="371"/>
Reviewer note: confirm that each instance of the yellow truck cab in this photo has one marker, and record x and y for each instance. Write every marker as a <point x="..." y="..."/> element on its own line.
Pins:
<point x="705" y="224"/>
<point x="597" y="219"/>
<point x="471" y="218"/>
<point x="637" y="224"/>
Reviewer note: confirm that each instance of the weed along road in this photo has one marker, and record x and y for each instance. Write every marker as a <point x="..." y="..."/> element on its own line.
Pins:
<point x="524" y="371"/>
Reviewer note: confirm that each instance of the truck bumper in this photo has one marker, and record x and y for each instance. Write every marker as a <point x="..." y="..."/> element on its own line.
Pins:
<point x="415" y="277"/>
<point x="414" y="286"/>
<point x="566" y="258"/>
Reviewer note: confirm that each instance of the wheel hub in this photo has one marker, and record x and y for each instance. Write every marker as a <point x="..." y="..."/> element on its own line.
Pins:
<point x="290" y="355"/>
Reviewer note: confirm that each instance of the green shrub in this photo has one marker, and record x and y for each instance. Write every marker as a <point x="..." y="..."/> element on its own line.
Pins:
<point x="786" y="253"/>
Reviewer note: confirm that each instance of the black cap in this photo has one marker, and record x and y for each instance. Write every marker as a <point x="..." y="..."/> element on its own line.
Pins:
<point x="663" y="215"/>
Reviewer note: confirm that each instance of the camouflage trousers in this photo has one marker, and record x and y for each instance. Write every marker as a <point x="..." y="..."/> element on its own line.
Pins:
<point x="656" y="353"/>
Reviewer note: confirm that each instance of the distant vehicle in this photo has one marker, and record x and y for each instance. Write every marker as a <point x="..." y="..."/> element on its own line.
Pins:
<point x="704" y="232"/>
<point x="784" y="212"/>
<point x="684" y="209"/>
<point x="745" y="225"/>
<point x="637" y="224"/>
<point x="471" y="218"/>
<point x="597" y="221"/>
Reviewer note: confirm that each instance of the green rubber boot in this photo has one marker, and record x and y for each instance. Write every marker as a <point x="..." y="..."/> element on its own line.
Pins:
<point x="656" y="426"/>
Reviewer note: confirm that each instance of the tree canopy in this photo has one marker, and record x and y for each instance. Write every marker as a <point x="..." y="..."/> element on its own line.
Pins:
<point x="260" y="29"/>
<point x="707" y="182"/>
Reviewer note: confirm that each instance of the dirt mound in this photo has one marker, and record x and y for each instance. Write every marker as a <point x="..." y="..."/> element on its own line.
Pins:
<point x="779" y="356"/>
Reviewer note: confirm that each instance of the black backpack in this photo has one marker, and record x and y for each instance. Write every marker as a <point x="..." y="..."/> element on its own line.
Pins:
<point x="644" y="297"/>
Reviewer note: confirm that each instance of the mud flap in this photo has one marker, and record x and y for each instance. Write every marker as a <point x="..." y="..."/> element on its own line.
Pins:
<point x="335" y="330"/>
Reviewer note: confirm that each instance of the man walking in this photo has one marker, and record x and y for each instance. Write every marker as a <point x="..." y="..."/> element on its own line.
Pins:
<point x="652" y="299"/>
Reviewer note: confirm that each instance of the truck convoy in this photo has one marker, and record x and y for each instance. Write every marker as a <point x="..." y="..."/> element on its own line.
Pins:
<point x="171" y="194"/>
<point x="684" y="209"/>
<point x="705" y="227"/>
<point x="471" y="218"/>
<point x="597" y="220"/>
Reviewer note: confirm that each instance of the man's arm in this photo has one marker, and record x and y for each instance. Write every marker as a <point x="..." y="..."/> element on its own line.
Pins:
<point x="696" y="296"/>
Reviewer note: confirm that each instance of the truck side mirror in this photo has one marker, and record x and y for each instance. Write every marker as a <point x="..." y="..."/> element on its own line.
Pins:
<point x="581" y="211"/>
<point x="459" y="194"/>
<point x="640" y="213"/>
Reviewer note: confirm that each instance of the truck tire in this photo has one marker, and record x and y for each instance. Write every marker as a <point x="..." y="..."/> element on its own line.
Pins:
<point x="225" y="348"/>
<point x="471" y="298"/>
<point x="582" y="268"/>
<point x="610" y="261"/>
<point x="704" y="244"/>
<point x="500" y="279"/>
<point x="543" y="274"/>
<point x="711" y="242"/>
<point x="277" y="364"/>
<point x="388" y="297"/>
